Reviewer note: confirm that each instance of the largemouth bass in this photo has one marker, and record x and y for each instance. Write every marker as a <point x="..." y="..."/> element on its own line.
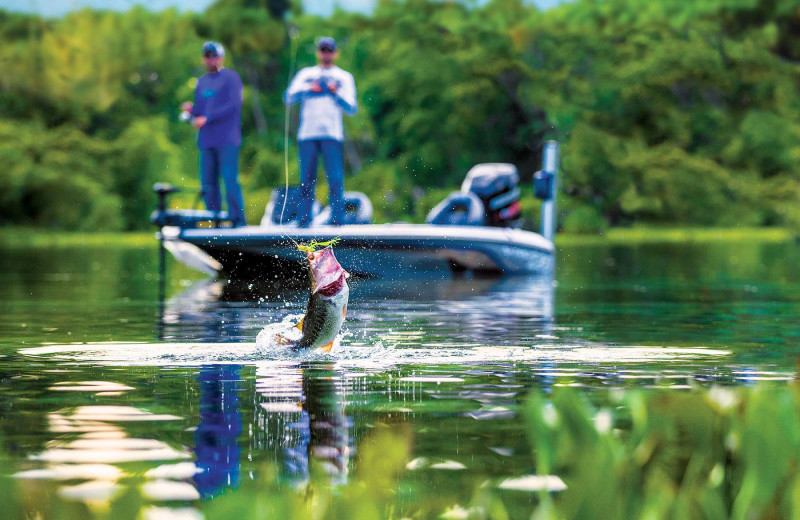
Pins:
<point x="327" y="304"/>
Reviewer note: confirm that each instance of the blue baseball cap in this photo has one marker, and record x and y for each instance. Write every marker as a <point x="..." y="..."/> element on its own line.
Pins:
<point x="326" y="42"/>
<point x="213" y="49"/>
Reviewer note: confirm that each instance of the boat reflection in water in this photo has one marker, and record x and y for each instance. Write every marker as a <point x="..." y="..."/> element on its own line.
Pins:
<point x="508" y="310"/>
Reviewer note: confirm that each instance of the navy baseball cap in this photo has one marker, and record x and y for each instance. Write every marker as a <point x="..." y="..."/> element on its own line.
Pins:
<point x="326" y="42"/>
<point x="213" y="49"/>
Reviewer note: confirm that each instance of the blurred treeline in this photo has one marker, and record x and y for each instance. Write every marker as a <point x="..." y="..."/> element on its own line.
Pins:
<point x="667" y="111"/>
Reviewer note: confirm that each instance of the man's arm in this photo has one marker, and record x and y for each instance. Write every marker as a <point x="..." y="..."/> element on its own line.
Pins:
<point x="233" y="95"/>
<point x="296" y="89"/>
<point x="345" y="96"/>
<point x="199" y="102"/>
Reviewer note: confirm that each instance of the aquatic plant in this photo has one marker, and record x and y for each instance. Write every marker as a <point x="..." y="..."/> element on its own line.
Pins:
<point x="722" y="453"/>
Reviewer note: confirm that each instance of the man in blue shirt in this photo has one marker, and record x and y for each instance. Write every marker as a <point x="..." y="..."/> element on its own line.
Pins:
<point x="217" y="114"/>
<point x="325" y="91"/>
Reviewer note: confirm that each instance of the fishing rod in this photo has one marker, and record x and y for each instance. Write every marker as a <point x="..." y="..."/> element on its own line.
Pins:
<point x="293" y="33"/>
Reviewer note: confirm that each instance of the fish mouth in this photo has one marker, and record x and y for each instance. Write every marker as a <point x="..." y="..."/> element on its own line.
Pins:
<point x="325" y="269"/>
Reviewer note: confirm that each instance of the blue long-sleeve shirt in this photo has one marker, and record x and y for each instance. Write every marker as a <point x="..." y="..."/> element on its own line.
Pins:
<point x="218" y="97"/>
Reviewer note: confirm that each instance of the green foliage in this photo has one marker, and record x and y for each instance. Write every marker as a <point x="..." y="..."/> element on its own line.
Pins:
<point x="246" y="26"/>
<point x="65" y="179"/>
<point x="144" y="155"/>
<point x="459" y="75"/>
<point x="722" y="453"/>
<point x="584" y="220"/>
<point x="392" y="195"/>
<point x="530" y="210"/>
<point x="54" y="179"/>
<point x="667" y="112"/>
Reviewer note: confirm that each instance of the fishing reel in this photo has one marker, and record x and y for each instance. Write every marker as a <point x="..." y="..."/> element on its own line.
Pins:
<point x="323" y="84"/>
<point x="185" y="117"/>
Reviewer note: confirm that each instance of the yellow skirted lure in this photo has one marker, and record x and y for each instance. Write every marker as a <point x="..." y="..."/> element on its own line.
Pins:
<point x="314" y="245"/>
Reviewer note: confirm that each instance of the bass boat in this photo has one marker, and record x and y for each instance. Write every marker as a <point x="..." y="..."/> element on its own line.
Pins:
<point x="474" y="230"/>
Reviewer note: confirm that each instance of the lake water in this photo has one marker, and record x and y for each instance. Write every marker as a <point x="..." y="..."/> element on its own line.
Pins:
<point x="100" y="379"/>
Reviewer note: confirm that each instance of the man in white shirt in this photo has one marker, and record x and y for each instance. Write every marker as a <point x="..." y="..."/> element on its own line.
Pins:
<point x="325" y="92"/>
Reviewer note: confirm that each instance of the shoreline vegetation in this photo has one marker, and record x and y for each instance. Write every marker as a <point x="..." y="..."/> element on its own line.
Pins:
<point x="22" y="237"/>
<point x="667" y="114"/>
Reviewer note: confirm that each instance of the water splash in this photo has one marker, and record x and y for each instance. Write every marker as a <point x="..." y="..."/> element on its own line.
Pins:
<point x="349" y="351"/>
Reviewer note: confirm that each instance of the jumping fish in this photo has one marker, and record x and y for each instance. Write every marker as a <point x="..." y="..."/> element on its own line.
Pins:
<point x="327" y="304"/>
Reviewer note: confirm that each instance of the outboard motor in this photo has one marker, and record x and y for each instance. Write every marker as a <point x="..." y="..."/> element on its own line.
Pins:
<point x="496" y="185"/>
<point x="458" y="209"/>
<point x="272" y="214"/>
<point x="357" y="210"/>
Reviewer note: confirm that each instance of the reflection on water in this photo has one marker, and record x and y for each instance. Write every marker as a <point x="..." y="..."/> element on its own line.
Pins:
<point x="454" y="310"/>
<point x="91" y="444"/>
<point x="298" y="419"/>
<point x="178" y="401"/>
<point x="216" y="437"/>
<point x="301" y="412"/>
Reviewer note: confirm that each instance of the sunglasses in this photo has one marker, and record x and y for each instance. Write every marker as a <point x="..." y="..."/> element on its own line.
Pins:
<point x="210" y="55"/>
<point x="326" y="49"/>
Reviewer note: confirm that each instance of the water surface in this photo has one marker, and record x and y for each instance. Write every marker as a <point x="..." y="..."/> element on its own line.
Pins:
<point x="102" y="380"/>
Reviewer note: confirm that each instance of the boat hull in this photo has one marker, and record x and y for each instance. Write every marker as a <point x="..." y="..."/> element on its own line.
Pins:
<point x="382" y="251"/>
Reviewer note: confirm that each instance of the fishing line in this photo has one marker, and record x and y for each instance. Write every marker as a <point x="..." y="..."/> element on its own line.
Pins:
<point x="293" y="33"/>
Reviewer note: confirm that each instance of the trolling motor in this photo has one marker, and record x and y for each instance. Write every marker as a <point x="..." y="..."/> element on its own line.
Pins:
<point x="158" y="217"/>
<point x="163" y="189"/>
<point x="182" y="218"/>
<point x="170" y="223"/>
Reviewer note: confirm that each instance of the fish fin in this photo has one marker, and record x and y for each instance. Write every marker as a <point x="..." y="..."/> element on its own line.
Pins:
<point x="344" y="311"/>
<point x="299" y="325"/>
<point x="327" y="348"/>
<point x="281" y="340"/>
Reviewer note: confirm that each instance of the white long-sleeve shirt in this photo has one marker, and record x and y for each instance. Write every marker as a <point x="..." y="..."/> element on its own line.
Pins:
<point x="321" y="112"/>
